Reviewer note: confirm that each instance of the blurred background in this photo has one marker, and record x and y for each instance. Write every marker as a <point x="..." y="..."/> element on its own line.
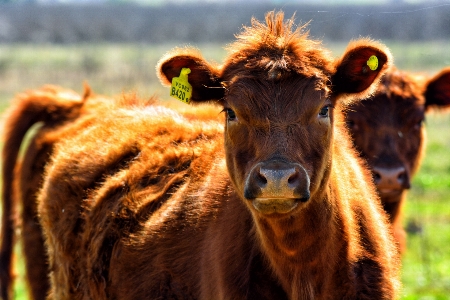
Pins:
<point x="114" y="45"/>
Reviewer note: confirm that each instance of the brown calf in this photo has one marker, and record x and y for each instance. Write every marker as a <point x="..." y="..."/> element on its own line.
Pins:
<point x="138" y="202"/>
<point x="21" y="116"/>
<point x="55" y="109"/>
<point x="388" y="131"/>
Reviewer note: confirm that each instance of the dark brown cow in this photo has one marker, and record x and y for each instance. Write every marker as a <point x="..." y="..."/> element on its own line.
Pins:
<point x="139" y="203"/>
<point x="388" y="131"/>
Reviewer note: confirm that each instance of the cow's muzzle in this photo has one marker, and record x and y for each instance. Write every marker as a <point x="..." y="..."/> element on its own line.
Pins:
<point x="391" y="182"/>
<point x="277" y="186"/>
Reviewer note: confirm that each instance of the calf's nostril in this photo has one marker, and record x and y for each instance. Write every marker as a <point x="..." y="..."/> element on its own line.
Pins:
<point x="293" y="178"/>
<point x="261" y="180"/>
<point x="403" y="180"/>
<point x="401" y="177"/>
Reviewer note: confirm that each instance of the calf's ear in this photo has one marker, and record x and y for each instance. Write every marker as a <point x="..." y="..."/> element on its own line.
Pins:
<point x="203" y="77"/>
<point x="437" y="93"/>
<point x="359" y="70"/>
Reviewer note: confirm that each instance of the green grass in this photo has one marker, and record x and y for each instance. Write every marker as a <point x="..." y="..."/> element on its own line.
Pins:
<point x="112" y="69"/>
<point x="108" y="69"/>
<point x="426" y="265"/>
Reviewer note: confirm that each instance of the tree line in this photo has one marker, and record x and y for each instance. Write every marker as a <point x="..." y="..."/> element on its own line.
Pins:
<point x="219" y="22"/>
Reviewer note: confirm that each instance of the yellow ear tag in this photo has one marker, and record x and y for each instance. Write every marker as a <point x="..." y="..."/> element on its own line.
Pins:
<point x="373" y="62"/>
<point x="181" y="89"/>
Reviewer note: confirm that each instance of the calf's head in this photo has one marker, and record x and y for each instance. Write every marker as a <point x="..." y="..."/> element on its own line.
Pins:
<point x="388" y="130"/>
<point x="278" y="89"/>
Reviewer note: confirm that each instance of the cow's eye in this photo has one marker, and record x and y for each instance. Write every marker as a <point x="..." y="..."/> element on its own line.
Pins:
<point x="231" y="115"/>
<point x="352" y="125"/>
<point x="324" y="111"/>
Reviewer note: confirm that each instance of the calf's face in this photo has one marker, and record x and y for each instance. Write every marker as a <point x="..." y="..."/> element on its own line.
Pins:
<point x="387" y="129"/>
<point x="277" y="139"/>
<point x="278" y="91"/>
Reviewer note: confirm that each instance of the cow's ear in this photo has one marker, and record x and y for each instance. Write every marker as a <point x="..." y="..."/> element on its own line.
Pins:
<point x="437" y="93"/>
<point x="203" y="77"/>
<point x="359" y="70"/>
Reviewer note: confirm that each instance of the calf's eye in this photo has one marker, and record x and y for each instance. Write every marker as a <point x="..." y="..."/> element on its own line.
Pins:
<point x="231" y="115"/>
<point x="324" y="112"/>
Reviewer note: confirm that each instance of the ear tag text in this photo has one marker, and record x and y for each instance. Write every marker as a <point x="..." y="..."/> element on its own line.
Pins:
<point x="373" y="62"/>
<point x="181" y="89"/>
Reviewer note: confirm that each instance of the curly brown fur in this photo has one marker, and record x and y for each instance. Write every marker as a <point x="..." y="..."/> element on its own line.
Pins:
<point x="51" y="107"/>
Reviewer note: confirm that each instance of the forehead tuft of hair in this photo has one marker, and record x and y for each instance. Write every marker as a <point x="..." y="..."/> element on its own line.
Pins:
<point x="279" y="46"/>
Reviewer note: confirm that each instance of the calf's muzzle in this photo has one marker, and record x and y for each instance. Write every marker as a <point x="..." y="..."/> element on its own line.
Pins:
<point x="391" y="181"/>
<point x="277" y="186"/>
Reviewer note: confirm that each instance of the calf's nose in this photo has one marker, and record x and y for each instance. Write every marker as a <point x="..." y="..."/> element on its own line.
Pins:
<point x="390" y="179"/>
<point x="277" y="180"/>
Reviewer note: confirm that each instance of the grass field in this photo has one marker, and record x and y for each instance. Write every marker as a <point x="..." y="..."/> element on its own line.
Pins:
<point x="112" y="69"/>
